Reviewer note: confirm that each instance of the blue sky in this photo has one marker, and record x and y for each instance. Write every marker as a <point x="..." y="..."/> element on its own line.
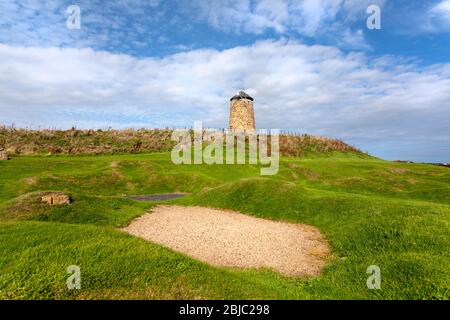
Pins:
<point x="312" y="66"/>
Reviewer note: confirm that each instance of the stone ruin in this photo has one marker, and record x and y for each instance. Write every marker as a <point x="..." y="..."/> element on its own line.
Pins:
<point x="242" y="115"/>
<point x="3" y="154"/>
<point x="56" y="198"/>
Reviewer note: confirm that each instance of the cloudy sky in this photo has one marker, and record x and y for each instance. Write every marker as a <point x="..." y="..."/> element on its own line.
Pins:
<point x="312" y="66"/>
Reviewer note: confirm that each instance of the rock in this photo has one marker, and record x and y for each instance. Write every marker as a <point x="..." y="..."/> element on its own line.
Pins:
<point x="56" y="198"/>
<point x="3" y="155"/>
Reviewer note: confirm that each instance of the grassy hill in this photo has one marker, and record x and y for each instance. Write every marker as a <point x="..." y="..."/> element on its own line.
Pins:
<point x="74" y="141"/>
<point x="372" y="212"/>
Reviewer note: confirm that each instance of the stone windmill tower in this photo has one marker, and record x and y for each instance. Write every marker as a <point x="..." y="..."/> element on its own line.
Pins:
<point x="242" y="115"/>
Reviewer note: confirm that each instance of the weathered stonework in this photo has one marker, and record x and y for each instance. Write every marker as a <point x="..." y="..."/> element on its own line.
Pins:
<point x="242" y="116"/>
<point x="56" y="198"/>
<point x="3" y="155"/>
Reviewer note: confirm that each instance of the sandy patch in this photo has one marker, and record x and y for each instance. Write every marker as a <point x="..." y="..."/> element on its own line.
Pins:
<point x="231" y="239"/>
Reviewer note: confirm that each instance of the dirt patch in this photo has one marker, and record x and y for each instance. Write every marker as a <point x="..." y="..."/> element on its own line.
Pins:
<point x="230" y="239"/>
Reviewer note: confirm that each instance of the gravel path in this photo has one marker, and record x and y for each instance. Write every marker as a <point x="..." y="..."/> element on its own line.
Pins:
<point x="230" y="239"/>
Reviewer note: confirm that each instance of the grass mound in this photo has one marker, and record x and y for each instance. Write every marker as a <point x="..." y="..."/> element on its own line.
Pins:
<point x="25" y="207"/>
<point x="263" y="197"/>
<point x="115" y="211"/>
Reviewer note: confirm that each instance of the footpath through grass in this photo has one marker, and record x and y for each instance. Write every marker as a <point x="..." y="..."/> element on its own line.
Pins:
<point x="372" y="212"/>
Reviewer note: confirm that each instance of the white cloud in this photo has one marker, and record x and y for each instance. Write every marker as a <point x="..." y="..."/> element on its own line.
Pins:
<point x="315" y="89"/>
<point x="130" y="26"/>
<point x="311" y="18"/>
<point x="121" y="25"/>
<point x="440" y="16"/>
<point x="243" y="15"/>
<point x="442" y="7"/>
<point x="433" y="17"/>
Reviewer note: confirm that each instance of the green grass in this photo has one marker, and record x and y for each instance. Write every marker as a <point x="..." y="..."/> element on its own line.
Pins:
<point x="372" y="212"/>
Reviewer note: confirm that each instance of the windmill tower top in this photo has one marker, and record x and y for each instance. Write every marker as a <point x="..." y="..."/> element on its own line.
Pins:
<point x="241" y="95"/>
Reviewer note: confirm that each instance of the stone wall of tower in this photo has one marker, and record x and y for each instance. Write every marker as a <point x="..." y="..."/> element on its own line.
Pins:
<point x="242" y="115"/>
